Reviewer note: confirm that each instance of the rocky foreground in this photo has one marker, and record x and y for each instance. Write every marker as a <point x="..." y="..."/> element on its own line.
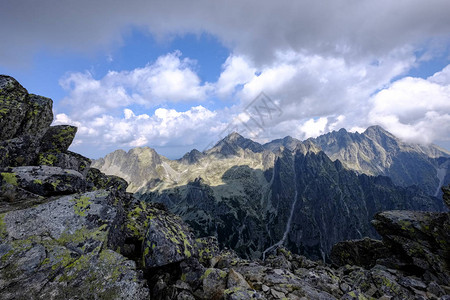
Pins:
<point x="67" y="231"/>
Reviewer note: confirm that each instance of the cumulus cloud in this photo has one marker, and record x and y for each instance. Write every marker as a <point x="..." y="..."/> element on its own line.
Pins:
<point x="415" y="109"/>
<point x="168" y="79"/>
<point x="166" y="127"/>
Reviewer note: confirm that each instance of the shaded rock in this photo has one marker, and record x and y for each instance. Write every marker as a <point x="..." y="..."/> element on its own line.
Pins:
<point x="97" y="180"/>
<point x="39" y="116"/>
<point x="13" y="197"/>
<point x="48" y="181"/>
<point x="19" y="151"/>
<point x="191" y="272"/>
<point x="364" y="252"/>
<point x="13" y="107"/>
<point x="207" y="248"/>
<point x="421" y="241"/>
<point x="65" y="160"/>
<point x="446" y="196"/>
<point x="58" y="138"/>
<point x="167" y="240"/>
<point x="236" y="280"/>
<point x="239" y="293"/>
<point x="214" y="284"/>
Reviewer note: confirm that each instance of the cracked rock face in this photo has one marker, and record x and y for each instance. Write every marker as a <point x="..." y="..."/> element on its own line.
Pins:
<point x="42" y="255"/>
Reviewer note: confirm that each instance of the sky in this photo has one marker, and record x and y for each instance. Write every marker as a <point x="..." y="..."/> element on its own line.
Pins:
<point x="178" y="75"/>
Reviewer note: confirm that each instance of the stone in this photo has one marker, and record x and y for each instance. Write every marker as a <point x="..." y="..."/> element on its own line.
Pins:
<point x="48" y="181"/>
<point x="277" y="295"/>
<point x="446" y="196"/>
<point x="58" y="138"/>
<point x="65" y="160"/>
<point x="214" y="283"/>
<point x="207" y="248"/>
<point x="363" y="252"/>
<point x="62" y="249"/>
<point x="19" y="151"/>
<point x="236" y="280"/>
<point x="421" y="240"/>
<point x="13" y="107"/>
<point x="167" y="240"/>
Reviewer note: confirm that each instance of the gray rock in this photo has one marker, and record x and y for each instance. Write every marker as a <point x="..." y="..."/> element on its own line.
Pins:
<point x="363" y="252"/>
<point x="167" y="240"/>
<point x="65" y="160"/>
<point x="19" y="151"/>
<point x="214" y="283"/>
<point x="236" y="280"/>
<point x="13" y="107"/>
<point x="421" y="241"/>
<point x="48" y="181"/>
<point x="62" y="249"/>
<point x="58" y="138"/>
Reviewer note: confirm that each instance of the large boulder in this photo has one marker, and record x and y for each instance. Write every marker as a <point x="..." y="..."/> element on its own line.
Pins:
<point x="419" y="240"/>
<point x="21" y="113"/>
<point x="363" y="252"/>
<point x="65" y="160"/>
<point x="63" y="249"/>
<point x="19" y="151"/>
<point x="167" y="239"/>
<point x="58" y="138"/>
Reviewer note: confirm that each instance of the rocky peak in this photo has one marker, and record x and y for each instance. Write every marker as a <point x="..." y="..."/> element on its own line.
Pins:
<point x="287" y="142"/>
<point x="231" y="144"/>
<point x="191" y="157"/>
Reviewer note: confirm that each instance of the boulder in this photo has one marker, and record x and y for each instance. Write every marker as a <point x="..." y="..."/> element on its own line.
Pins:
<point x="19" y="151"/>
<point x="62" y="249"/>
<point x="207" y="248"/>
<point x="446" y="196"/>
<point x="363" y="252"/>
<point x="65" y="160"/>
<point x="420" y="240"/>
<point x="13" y="107"/>
<point x="48" y="181"/>
<point x="22" y="113"/>
<point x="167" y="240"/>
<point x="58" y="138"/>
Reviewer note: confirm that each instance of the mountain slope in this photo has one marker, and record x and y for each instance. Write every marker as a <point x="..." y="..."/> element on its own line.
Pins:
<point x="378" y="152"/>
<point x="254" y="198"/>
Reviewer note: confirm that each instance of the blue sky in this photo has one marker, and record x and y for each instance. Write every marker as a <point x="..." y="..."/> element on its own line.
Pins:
<point x="175" y="76"/>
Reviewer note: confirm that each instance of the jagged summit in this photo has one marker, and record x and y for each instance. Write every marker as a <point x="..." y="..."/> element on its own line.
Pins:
<point x="231" y="144"/>
<point x="191" y="157"/>
<point x="287" y="142"/>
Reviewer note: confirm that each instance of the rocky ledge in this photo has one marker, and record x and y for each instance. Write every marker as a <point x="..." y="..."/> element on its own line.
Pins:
<point x="67" y="231"/>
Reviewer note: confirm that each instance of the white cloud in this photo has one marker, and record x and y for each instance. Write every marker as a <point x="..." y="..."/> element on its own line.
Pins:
<point x="169" y="79"/>
<point x="236" y="71"/>
<point x="166" y="127"/>
<point x="314" y="128"/>
<point x="415" y="109"/>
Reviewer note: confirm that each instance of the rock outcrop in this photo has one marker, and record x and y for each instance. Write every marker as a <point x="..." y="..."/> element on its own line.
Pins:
<point x="60" y="221"/>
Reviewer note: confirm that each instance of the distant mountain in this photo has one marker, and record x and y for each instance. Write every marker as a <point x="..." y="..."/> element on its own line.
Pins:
<point x="378" y="152"/>
<point x="256" y="197"/>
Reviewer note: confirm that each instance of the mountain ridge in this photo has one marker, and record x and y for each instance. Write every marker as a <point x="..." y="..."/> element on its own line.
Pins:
<point x="239" y="188"/>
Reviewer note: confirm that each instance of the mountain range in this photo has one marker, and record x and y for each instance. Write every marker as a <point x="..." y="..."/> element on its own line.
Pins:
<point x="305" y="195"/>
